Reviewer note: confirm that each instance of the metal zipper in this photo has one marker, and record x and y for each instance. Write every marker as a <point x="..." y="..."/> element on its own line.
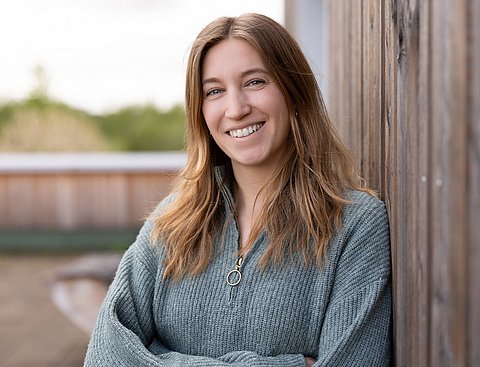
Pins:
<point x="234" y="276"/>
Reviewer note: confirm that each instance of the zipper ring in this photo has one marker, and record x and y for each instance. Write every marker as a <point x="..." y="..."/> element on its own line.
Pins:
<point x="229" y="275"/>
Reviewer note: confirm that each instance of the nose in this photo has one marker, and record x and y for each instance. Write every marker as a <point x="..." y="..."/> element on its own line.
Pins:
<point x="238" y="105"/>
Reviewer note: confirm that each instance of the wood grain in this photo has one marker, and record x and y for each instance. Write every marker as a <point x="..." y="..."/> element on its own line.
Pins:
<point x="473" y="184"/>
<point x="417" y="96"/>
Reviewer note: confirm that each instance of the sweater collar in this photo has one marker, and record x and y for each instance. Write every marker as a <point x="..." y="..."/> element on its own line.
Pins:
<point x="225" y="184"/>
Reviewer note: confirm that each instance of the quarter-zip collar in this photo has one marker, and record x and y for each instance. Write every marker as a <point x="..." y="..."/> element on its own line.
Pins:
<point x="225" y="184"/>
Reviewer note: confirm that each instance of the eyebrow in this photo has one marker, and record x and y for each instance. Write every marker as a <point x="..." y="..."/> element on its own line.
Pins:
<point x="243" y="75"/>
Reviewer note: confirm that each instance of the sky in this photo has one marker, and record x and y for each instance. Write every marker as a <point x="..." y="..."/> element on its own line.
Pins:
<point x="100" y="55"/>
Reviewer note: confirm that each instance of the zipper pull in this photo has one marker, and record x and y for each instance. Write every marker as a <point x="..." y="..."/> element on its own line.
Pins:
<point x="235" y="276"/>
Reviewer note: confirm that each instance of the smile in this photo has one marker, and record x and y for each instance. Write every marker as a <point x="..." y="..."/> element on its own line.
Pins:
<point x="242" y="133"/>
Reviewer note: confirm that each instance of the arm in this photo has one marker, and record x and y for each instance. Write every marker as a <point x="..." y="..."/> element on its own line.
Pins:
<point x="356" y="328"/>
<point x="124" y="334"/>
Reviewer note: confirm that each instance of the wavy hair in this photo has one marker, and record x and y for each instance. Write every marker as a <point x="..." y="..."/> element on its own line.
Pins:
<point x="304" y="199"/>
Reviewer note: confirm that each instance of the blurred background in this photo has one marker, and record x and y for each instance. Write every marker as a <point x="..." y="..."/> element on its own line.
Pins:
<point x="92" y="133"/>
<point x="92" y="130"/>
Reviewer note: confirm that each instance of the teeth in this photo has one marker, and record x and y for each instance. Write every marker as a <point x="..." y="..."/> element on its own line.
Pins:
<point x="241" y="133"/>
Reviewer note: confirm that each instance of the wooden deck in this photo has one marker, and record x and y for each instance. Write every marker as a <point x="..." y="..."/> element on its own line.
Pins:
<point x="33" y="332"/>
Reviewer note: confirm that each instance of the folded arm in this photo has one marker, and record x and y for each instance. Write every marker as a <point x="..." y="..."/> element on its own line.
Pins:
<point x="125" y="334"/>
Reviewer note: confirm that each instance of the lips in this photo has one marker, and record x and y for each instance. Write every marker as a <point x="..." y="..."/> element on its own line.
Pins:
<point x="246" y="131"/>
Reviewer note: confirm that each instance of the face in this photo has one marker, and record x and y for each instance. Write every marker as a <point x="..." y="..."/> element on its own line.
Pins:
<point x="245" y="110"/>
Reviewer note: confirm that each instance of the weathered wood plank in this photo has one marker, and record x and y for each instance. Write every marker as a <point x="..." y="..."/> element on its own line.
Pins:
<point x="449" y="201"/>
<point x="354" y="84"/>
<point x="473" y="185"/>
<point x="419" y="222"/>
<point x="371" y="100"/>
<point x="412" y="150"/>
<point x="344" y="102"/>
<point x="336" y="75"/>
<point x="390" y="187"/>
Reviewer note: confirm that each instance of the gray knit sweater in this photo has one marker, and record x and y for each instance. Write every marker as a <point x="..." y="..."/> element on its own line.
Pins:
<point x="339" y="314"/>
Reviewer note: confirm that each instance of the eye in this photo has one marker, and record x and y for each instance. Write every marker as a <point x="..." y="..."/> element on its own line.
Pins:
<point x="213" y="92"/>
<point x="255" y="83"/>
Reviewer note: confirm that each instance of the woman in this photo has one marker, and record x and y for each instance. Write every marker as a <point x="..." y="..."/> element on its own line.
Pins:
<point x="269" y="252"/>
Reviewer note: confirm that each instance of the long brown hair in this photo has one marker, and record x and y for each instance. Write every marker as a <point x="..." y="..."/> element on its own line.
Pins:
<point x="304" y="199"/>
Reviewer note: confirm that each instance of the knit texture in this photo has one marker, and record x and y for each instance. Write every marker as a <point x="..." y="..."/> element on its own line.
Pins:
<point x="339" y="314"/>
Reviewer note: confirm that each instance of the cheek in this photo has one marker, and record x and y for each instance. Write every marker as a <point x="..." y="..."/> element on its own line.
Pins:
<point x="209" y="116"/>
<point x="279" y="106"/>
<point x="275" y="101"/>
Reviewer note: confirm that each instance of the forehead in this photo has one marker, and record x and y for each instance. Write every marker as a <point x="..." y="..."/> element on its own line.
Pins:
<point x="230" y="56"/>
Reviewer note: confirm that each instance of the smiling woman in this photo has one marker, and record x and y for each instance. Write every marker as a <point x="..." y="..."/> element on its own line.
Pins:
<point x="269" y="251"/>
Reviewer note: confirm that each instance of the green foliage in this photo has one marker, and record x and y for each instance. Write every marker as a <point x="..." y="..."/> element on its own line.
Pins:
<point x="133" y="128"/>
<point x="145" y="128"/>
<point x="32" y="128"/>
<point x="6" y="113"/>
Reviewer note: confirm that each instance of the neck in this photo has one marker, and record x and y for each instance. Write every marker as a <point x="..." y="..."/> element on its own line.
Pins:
<point x="249" y="183"/>
<point x="248" y="198"/>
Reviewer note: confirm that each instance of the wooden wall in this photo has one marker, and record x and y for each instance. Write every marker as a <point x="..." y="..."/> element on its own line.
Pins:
<point x="404" y="81"/>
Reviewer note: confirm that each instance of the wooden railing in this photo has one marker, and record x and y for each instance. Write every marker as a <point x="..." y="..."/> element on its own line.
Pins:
<point x="77" y="192"/>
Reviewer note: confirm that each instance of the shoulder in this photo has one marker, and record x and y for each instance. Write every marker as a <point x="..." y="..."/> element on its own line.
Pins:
<point x="364" y="210"/>
<point x="363" y="201"/>
<point x="361" y="247"/>
<point x="365" y="232"/>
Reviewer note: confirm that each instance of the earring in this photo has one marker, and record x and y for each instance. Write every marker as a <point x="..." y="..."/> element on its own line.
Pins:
<point x="296" y="114"/>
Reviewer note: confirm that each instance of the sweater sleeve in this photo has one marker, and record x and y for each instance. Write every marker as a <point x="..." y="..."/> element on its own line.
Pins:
<point x="356" y="328"/>
<point x="124" y="334"/>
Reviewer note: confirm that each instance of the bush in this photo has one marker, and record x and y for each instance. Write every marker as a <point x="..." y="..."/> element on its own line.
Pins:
<point x="53" y="129"/>
<point x="40" y="124"/>
<point x="145" y="128"/>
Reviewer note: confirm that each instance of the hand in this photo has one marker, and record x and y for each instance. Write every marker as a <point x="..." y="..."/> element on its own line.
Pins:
<point x="309" y="362"/>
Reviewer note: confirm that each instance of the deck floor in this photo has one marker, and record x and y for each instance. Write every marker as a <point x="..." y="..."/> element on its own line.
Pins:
<point x="33" y="332"/>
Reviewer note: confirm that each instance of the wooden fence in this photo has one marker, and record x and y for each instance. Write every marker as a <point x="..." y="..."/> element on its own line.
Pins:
<point x="75" y="192"/>
<point x="405" y="90"/>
